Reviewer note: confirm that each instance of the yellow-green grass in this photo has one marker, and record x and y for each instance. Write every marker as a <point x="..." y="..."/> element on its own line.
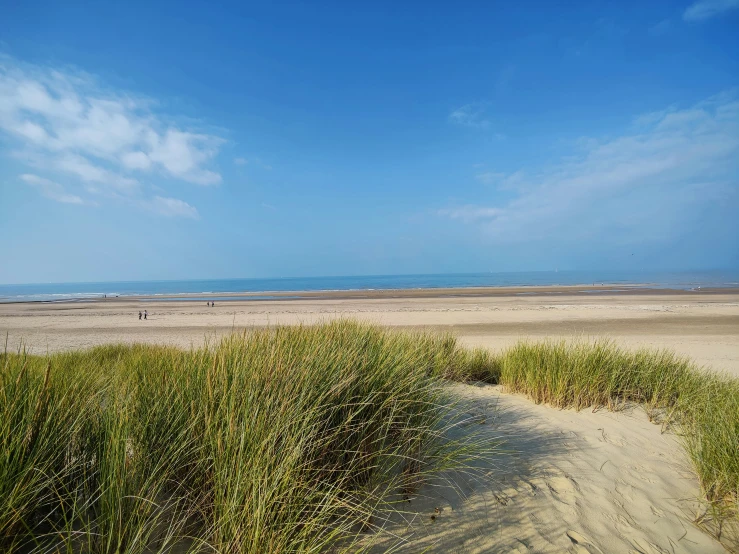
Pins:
<point x="292" y="439"/>
<point x="295" y="439"/>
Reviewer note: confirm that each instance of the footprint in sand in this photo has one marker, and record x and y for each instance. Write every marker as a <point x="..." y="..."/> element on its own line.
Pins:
<point x="581" y="544"/>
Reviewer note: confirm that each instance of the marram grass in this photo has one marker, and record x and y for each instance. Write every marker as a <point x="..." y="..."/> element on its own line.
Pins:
<point x="295" y="439"/>
<point x="292" y="439"/>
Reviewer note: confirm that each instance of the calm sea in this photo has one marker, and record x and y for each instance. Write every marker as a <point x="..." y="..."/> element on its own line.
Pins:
<point x="51" y="292"/>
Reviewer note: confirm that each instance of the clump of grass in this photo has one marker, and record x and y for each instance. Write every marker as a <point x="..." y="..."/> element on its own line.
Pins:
<point x="290" y="439"/>
<point x="295" y="439"/>
<point x="702" y="407"/>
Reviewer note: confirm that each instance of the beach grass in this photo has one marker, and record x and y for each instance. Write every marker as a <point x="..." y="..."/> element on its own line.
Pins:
<point x="298" y="439"/>
<point x="292" y="439"/>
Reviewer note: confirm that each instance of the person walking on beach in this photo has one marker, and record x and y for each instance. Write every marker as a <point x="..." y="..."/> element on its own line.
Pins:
<point x="139" y="314"/>
<point x="146" y="314"/>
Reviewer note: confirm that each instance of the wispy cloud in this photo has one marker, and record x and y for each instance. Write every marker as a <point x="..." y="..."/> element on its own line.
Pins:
<point x="50" y="189"/>
<point x="660" y="28"/>
<point x="112" y="142"/>
<point x="255" y="161"/>
<point x="502" y="181"/>
<point x="171" y="207"/>
<point x="676" y="163"/>
<point x="88" y="172"/>
<point x="470" y="214"/>
<point x="706" y="9"/>
<point x="470" y="115"/>
<point x="490" y="177"/>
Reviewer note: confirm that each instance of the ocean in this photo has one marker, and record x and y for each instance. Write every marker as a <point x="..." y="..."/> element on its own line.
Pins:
<point x="56" y="292"/>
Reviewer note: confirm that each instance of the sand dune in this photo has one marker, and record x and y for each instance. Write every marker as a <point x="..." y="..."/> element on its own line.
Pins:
<point x="569" y="482"/>
<point x="579" y="482"/>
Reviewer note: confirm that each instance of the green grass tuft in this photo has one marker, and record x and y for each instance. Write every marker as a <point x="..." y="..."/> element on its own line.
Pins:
<point x="296" y="439"/>
<point x="283" y="440"/>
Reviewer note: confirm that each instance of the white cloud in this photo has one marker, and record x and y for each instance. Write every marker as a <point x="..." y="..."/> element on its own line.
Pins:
<point x="490" y="177"/>
<point x="50" y="189"/>
<point x="90" y="173"/>
<point x="706" y="9"/>
<point x="108" y="140"/>
<point x="182" y="155"/>
<point x="31" y="131"/>
<point x="241" y="161"/>
<point x="136" y="160"/>
<point x="470" y="214"/>
<point x="674" y="164"/>
<point x="171" y="207"/>
<point x="470" y="115"/>
<point x="502" y="181"/>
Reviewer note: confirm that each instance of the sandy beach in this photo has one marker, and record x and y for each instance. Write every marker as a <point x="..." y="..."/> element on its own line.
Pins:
<point x="703" y="325"/>
<point x="585" y="481"/>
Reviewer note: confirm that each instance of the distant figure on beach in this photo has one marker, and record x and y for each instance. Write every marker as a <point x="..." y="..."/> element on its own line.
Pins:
<point x="146" y="314"/>
<point x="212" y="304"/>
<point x="139" y="314"/>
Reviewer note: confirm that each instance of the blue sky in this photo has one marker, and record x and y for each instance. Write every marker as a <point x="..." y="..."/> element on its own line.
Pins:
<point x="156" y="140"/>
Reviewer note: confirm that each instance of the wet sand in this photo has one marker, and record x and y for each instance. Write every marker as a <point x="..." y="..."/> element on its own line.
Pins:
<point x="703" y="325"/>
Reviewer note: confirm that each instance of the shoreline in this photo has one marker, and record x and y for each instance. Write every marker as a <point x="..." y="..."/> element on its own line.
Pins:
<point x="703" y="325"/>
<point x="428" y="292"/>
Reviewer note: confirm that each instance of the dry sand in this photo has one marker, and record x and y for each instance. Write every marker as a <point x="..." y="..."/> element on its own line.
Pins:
<point x="579" y="482"/>
<point x="703" y="325"/>
<point x="570" y="481"/>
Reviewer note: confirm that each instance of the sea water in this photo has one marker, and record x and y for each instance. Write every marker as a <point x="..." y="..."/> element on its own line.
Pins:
<point x="55" y="292"/>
